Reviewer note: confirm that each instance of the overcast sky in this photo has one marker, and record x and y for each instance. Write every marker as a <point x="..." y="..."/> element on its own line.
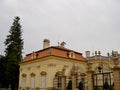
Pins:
<point x="92" y="25"/>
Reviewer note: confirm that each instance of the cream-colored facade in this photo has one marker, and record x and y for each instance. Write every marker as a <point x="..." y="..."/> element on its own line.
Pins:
<point x="43" y="70"/>
<point x="50" y="65"/>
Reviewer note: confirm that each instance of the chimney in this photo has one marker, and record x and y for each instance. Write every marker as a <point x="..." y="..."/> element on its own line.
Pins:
<point x="99" y="53"/>
<point x="95" y="53"/>
<point x="62" y="44"/>
<point x="87" y="53"/>
<point x="46" y="43"/>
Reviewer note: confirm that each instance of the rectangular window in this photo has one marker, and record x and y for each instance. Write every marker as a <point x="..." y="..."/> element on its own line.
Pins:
<point x="24" y="82"/>
<point x="59" y="82"/>
<point x="43" y="81"/>
<point x="32" y="82"/>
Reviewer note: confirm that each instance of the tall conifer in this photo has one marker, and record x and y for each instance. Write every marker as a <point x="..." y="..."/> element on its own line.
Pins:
<point x="3" y="83"/>
<point x="13" y="53"/>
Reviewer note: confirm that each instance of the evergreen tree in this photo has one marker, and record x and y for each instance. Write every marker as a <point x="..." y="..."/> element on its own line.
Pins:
<point x="3" y="83"/>
<point x="13" y="53"/>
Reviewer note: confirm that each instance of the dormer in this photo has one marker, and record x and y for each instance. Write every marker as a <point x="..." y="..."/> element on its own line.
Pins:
<point x="71" y="54"/>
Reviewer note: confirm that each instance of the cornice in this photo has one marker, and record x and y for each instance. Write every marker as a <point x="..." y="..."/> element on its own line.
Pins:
<point x="53" y="58"/>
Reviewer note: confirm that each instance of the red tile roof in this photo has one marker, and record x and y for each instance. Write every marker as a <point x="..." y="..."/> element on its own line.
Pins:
<point x="53" y="51"/>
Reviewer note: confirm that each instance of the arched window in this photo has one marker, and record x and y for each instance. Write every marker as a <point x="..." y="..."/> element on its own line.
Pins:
<point x="43" y="79"/>
<point x="32" y="81"/>
<point x="58" y="80"/>
<point x="23" y="81"/>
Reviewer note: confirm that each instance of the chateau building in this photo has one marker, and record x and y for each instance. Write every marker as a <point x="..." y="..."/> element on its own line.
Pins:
<point x="44" y="69"/>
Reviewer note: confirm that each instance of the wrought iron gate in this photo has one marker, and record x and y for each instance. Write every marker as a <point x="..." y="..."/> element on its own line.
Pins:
<point x="103" y="81"/>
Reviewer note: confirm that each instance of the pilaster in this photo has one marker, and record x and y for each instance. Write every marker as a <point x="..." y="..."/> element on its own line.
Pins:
<point x="116" y="77"/>
<point x="63" y="82"/>
<point x="74" y="84"/>
<point x="90" y="79"/>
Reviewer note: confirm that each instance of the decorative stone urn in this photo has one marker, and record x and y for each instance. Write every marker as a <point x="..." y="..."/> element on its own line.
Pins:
<point x="115" y="58"/>
<point x="116" y="61"/>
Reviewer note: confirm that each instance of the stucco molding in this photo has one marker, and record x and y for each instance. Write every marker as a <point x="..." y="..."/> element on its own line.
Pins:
<point x="32" y="74"/>
<point x="38" y="66"/>
<point x="43" y="73"/>
<point x="28" y="68"/>
<point x="51" y="65"/>
<point x="24" y="75"/>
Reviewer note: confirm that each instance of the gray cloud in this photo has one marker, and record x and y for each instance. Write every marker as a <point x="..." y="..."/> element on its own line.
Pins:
<point x="82" y="24"/>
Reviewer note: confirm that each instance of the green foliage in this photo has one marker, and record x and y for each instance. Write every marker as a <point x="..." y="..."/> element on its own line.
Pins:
<point x="98" y="88"/>
<point x="111" y="88"/>
<point x="106" y="86"/>
<point x="69" y="87"/>
<point x="3" y="82"/>
<point x="80" y="86"/>
<point x="13" y="53"/>
<point x="14" y="42"/>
